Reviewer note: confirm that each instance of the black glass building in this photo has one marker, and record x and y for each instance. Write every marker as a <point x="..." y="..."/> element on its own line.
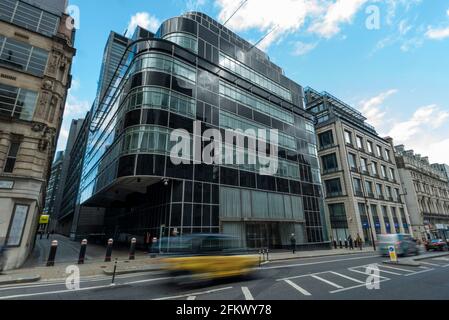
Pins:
<point x="194" y="69"/>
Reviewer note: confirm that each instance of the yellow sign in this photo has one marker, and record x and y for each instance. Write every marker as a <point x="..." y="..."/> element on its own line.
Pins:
<point x="393" y="255"/>
<point x="44" y="219"/>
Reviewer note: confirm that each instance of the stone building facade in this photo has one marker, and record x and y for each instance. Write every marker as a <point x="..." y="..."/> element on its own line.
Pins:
<point x="427" y="194"/>
<point x="359" y="172"/>
<point x="35" y="64"/>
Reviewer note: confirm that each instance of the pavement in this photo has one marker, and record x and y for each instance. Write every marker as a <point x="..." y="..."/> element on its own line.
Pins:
<point x="35" y="268"/>
<point x="343" y="277"/>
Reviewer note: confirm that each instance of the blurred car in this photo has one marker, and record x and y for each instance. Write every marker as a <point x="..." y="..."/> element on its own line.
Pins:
<point x="404" y="244"/>
<point x="437" y="245"/>
<point x="203" y="257"/>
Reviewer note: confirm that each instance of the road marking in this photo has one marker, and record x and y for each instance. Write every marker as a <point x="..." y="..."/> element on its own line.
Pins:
<point x="347" y="277"/>
<point x="390" y="272"/>
<point x="247" y="293"/>
<point x="441" y="259"/>
<point x="294" y="285"/>
<point x="358" y="286"/>
<point x="366" y="274"/>
<point x="412" y="274"/>
<point x="430" y="264"/>
<point x="77" y="290"/>
<point x="399" y="269"/>
<point x="193" y="294"/>
<point x="314" y="263"/>
<point x="327" y="281"/>
<point x="191" y="298"/>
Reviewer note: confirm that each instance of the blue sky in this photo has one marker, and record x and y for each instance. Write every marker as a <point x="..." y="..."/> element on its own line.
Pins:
<point x="387" y="58"/>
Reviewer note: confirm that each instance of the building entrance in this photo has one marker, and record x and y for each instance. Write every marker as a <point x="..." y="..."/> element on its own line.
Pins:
<point x="263" y="235"/>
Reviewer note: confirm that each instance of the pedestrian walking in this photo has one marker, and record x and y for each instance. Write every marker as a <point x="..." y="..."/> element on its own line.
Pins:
<point x="351" y="242"/>
<point x="359" y="242"/>
<point x="293" y="243"/>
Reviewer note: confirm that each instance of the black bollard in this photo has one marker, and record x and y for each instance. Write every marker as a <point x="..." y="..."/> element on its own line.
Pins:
<point x="82" y="252"/>
<point x="346" y="244"/>
<point x="52" y="255"/>
<point x="41" y="233"/>
<point x="335" y="244"/>
<point x="115" y="271"/>
<point x="260" y="258"/>
<point x="108" y="256"/>
<point x="341" y="244"/>
<point x="132" y="249"/>
<point x="48" y="235"/>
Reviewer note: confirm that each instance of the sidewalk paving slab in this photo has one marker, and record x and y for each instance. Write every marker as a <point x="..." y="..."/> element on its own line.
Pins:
<point x="17" y="279"/>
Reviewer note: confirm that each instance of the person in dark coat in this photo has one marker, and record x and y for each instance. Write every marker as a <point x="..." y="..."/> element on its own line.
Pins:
<point x="293" y="243"/>
<point x="351" y="242"/>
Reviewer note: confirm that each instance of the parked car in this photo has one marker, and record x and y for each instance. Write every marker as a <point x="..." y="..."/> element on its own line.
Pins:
<point x="437" y="245"/>
<point x="404" y="244"/>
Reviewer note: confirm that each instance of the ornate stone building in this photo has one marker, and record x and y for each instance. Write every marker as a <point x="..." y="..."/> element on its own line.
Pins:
<point x="36" y="52"/>
<point x="427" y="194"/>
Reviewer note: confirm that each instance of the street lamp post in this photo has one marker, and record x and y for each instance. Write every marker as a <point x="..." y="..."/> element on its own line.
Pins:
<point x="367" y="208"/>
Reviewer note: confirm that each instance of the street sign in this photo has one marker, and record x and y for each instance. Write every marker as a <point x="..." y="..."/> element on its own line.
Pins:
<point x="393" y="255"/>
<point x="44" y="219"/>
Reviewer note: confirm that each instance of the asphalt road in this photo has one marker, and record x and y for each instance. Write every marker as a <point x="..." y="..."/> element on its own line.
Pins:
<point x="328" y="278"/>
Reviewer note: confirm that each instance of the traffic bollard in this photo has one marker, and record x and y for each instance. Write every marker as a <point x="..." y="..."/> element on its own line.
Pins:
<point x="132" y="249"/>
<point x="52" y="255"/>
<point x="346" y="244"/>
<point x="335" y="244"/>
<point x="268" y="252"/>
<point x="82" y="252"/>
<point x="115" y="270"/>
<point x="260" y="258"/>
<point x="341" y="244"/>
<point x="108" y="256"/>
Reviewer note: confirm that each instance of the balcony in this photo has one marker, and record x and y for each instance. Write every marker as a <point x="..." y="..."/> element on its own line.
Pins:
<point x="390" y="199"/>
<point x="371" y="195"/>
<point x="381" y="197"/>
<point x="354" y="169"/>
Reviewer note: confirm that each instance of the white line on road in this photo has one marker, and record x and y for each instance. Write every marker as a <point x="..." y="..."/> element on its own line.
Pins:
<point x="294" y="285"/>
<point x="399" y="269"/>
<point x="359" y="286"/>
<point x="430" y="264"/>
<point x="193" y="294"/>
<point x="366" y="274"/>
<point x="412" y="274"/>
<point x="441" y="259"/>
<point x="191" y="298"/>
<point x="314" y="263"/>
<point x="390" y="272"/>
<point x="77" y="290"/>
<point x="347" y="277"/>
<point x="327" y="281"/>
<point x="247" y="293"/>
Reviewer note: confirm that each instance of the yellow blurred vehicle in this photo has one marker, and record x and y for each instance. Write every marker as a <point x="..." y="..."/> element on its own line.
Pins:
<point x="202" y="257"/>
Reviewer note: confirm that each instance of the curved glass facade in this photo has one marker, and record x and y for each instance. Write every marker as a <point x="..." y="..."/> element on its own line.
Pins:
<point x="171" y="81"/>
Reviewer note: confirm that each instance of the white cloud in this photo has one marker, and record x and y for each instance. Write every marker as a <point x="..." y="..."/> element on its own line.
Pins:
<point x="144" y="20"/>
<point x="301" y="48"/>
<point x="425" y="118"/>
<point x="372" y="107"/>
<point x="324" y="17"/>
<point x="342" y="11"/>
<point x="438" y="33"/>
